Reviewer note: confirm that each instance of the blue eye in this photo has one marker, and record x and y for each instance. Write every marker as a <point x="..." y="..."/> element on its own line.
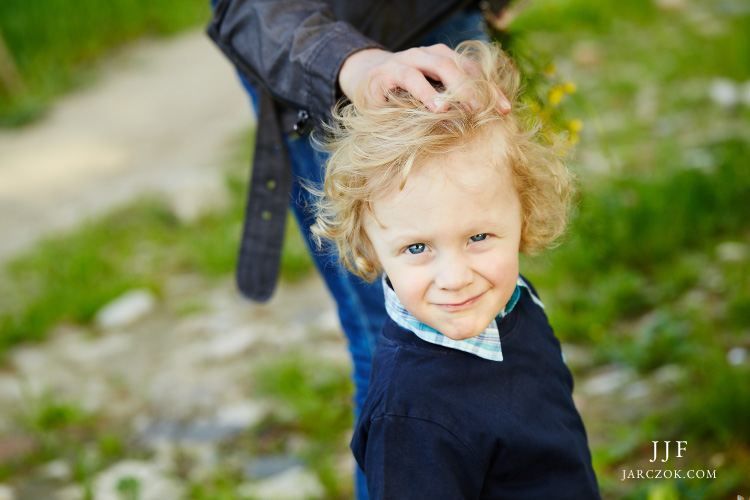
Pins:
<point x="478" y="237"/>
<point x="415" y="248"/>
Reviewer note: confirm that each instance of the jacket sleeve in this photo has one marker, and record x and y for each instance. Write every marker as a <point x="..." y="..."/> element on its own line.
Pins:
<point x="295" y="49"/>
<point x="407" y="458"/>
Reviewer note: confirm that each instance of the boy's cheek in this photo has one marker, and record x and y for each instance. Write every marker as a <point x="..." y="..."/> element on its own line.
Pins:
<point x="409" y="292"/>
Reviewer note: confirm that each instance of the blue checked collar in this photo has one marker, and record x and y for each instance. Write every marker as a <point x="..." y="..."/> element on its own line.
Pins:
<point x="485" y="345"/>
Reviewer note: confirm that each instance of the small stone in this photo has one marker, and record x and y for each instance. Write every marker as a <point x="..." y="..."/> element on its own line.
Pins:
<point x="162" y="432"/>
<point x="198" y="432"/>
<point x="243" y="415"/>
<point x="7" y="493"/>
<point x="296" y="483"/>
<point x="231" y="343"/>
<point x="699" y="159"/>
<point x="126" y="309"/>
<point x="668" y="375"/>
<point x="208" y="432"/>
<point x="637" y="390"/>
<point x="724" y="92"/>
<point x="737" y="356"/>
<point x="269" y="466"/>
<point x="71" y="492"/>
<point x="609" y="380"/>
<point x="731" y="251"/>
<point x="57" y="469"/>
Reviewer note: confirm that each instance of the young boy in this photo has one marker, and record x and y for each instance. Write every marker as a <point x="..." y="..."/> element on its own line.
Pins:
<point x="470" y="397"/>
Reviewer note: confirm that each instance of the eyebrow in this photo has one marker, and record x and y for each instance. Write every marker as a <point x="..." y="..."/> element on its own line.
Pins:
<point x="407" y="237"/>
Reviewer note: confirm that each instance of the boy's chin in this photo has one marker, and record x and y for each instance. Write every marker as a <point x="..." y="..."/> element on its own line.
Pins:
<point x="461" y="335"/>
<point x="463" y="325"/>
<point x="461" y="332"/>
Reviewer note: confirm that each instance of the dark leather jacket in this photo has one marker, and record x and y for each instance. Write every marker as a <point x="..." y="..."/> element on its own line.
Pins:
<point x="291" y="51"/>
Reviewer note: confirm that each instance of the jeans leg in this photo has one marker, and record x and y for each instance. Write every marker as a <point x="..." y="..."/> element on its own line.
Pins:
<point x="361" y="306"/>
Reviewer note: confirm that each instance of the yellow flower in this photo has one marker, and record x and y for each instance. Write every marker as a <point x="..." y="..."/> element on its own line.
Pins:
<point x="575" y="126"/>
<point x="570" y="87"/>
<point x="550" y="69"/>
<point x="556" y="95"/>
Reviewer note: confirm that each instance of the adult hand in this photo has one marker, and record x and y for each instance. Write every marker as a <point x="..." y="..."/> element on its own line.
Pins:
<point x="379" y="71"/>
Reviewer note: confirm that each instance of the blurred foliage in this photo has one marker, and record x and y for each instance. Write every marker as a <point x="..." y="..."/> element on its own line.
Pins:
<point x="52" y="43"/>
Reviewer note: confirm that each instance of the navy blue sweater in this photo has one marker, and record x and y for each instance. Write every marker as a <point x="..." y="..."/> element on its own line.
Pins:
<point x="439" y="423"/>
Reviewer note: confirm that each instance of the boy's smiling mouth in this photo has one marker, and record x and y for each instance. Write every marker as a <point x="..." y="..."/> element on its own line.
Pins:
<point x="459" y="306"/>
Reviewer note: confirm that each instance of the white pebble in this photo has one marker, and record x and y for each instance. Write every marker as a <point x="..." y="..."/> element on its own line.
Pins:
<point x="737" y="356"/>
<point x="7" y="493"/>
<point x="724" y="92"/>
<point x="126" y="309"/>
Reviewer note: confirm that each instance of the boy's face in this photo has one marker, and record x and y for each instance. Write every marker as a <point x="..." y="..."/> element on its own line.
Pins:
<point x="449" y="242"/>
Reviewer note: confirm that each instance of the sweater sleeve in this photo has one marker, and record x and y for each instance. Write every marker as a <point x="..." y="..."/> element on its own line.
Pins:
<point x="293" y="48"/>
<point x="407" y="458"/>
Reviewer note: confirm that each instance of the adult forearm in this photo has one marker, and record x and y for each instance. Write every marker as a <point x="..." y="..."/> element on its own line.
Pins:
<point x="294" y="49"/>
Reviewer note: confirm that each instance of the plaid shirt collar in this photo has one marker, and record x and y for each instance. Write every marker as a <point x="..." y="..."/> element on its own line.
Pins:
<point x="485" y="345"/>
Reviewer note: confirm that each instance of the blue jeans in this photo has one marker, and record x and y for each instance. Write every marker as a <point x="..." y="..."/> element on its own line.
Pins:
<point x="361" y="306"/>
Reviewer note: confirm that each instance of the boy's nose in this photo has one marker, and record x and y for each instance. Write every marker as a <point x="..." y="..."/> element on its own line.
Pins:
<point x="453" y="274"/>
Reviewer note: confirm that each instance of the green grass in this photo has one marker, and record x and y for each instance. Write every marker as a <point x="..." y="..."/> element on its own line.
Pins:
<point x="316" y="398"/>
<point x="55" y="42"/>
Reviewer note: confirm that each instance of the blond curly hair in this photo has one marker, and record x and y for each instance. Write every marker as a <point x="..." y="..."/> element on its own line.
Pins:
<point x="373" y="150"/>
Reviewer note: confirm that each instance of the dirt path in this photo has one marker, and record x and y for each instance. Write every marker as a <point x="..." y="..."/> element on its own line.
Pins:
<point x="158" y="118"/>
